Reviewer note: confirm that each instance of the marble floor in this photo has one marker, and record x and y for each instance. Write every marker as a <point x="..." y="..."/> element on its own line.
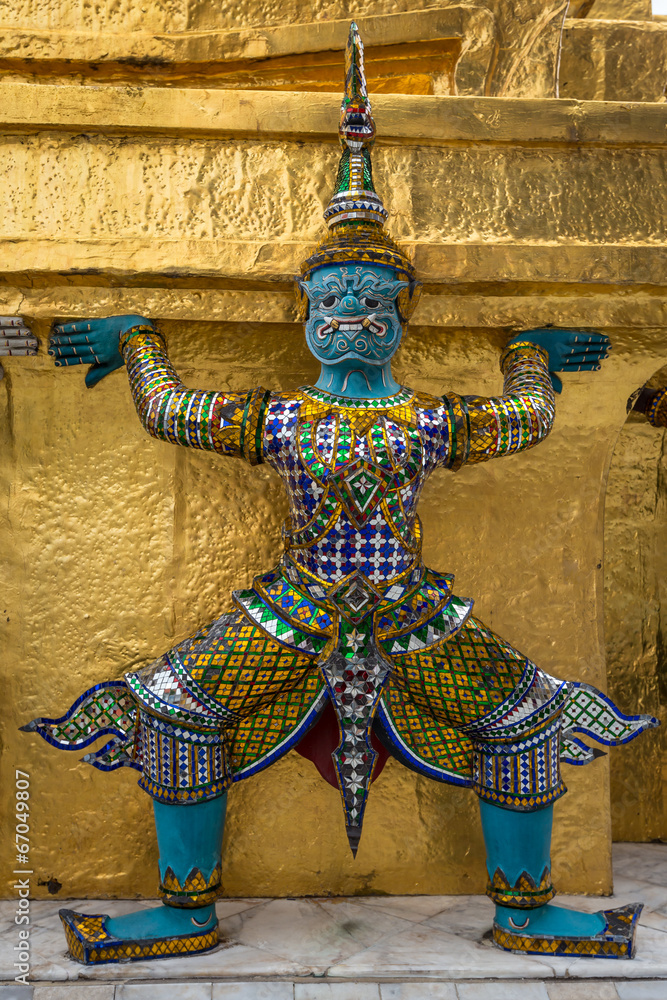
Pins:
<point x="357" y="948"/>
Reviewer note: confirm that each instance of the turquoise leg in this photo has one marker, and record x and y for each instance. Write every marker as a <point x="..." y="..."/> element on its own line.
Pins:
<point x="189" y="837"/>
<point x="518" y="844"/>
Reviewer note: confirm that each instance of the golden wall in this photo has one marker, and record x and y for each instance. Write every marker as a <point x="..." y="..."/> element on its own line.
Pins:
<point x="194" y="206"/>
<point x="635" y="605"/>
<point x="613" y="50"/>
<point x="500" y="47"/>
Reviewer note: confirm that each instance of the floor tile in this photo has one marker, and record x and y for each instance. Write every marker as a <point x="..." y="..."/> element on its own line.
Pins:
<point x="163" y="991"/>
<point x="75" y="991"/>
<point x="364" y="928"/>
<point x="228" y="907"/>
<point x="426" y="951"/>
<point x="14" y="991"/>
<point x="253" y="991"/>
<point x="582" y="991"/>
<point x="336" y="991"/>
<point x="627" y="890"/>
<point x="414" y="908"/>
<point x="648" y="864"/>
<point x="656" y="990"/>
<point x="418" y="991"/>
<point x="502" y="991"/>
<point x="320" y="932"/>
<point x="471" y="919"/>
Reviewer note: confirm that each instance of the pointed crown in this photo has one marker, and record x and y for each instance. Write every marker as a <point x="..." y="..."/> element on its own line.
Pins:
<point x="355" y="214"/>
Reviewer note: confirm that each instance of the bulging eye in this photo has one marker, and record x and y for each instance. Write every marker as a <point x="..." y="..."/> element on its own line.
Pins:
<point x="371" y="303"/>
<point x="329" y="301"/>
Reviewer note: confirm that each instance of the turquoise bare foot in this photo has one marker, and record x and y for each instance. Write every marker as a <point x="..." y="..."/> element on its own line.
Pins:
<point x="160" y="932"/>
<point x="557" y="930"/>
<point x="551" y="919"/>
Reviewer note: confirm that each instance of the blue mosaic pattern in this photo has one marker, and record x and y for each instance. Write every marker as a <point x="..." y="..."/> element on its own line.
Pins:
<point x="181" y="764"/>
<point x="520" y="777"/>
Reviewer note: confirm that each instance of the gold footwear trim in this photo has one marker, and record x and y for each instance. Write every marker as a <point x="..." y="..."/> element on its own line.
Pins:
<point x="90" y="943"/>
<point x="194" y="892"/>
<point x="526" y="893"/>
<point x="617" y="940"/>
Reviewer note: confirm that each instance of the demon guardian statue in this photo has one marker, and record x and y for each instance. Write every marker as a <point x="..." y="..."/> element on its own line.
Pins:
<point x="350" y="620"/>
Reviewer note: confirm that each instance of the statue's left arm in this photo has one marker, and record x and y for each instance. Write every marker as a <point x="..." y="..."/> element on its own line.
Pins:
<point x="482" y="428"/>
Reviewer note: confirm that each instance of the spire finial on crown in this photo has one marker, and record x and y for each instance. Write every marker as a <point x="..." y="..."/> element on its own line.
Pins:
<point x="355" y="196"/>
<point x="355" y="215"/>
<point x="357" y="128"/>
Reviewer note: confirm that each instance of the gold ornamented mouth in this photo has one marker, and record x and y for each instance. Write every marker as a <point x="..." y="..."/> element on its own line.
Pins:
<point x="352" y="327"/>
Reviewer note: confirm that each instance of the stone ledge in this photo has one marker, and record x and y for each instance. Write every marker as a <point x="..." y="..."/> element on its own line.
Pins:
<point x="424" y="119"/>
<point x="255" y="43"/>
<point x="614" y="60"/>
<point x="634" y="311"/>
<point x="262" y="265"/>
<point x="253" y="989"/>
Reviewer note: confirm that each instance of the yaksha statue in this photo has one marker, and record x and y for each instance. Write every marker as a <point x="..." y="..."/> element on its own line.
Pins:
<point x="350" y="622"/>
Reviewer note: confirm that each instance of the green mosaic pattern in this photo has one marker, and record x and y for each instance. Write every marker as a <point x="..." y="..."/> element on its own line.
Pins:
<point x="284" y="631"/>
<point x="244" y="669"/>
<point x="460" y="681"/>
<point x="272" y="727"/>
<point x="590" y="712"/>
<point x="437" y="630"/>
<point x="381" y="403"/>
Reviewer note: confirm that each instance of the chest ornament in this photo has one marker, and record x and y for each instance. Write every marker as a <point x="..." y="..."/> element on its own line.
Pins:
<point x="361" y="486"/>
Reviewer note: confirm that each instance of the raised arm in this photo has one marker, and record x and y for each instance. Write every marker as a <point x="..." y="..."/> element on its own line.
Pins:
<point x="485" y="428"/>
<point x="227" y="423"/>
<point x="521" y="417"/>
<point x="652" y="403"/>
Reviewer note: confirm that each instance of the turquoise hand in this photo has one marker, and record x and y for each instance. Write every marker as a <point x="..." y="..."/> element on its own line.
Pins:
<point x="568" y="350"/>
<point x="92" y="342"/>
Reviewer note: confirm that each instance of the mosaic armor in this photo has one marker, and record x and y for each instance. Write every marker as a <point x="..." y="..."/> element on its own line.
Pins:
<point x="351" y="614"/>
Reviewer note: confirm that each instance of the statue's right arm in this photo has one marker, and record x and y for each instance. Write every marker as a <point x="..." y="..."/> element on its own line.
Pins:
<point x="481" y="428"/>
<point x="224" y="422"/>
<point x="652" y="403"/>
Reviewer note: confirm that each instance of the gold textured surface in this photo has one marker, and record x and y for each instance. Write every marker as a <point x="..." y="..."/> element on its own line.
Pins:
<point x="195" y="207"/>
<point x="614" y="60"/>
<point x="635" y="610"/>
<point x="175" y="171"/>
<point x="616" y="10"/>
<point x="412" y="53"/>
<point x="202" y="211"/>
<point x="503" y="47"/>
<point x="401" y="118"/>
